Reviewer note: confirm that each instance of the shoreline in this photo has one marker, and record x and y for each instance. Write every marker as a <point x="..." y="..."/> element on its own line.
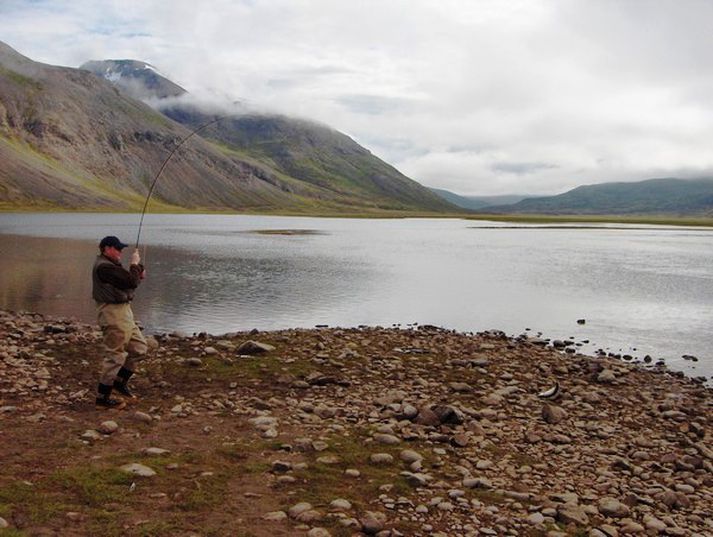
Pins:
<point x="348" y="431"/>
<point x="654" y="220"/>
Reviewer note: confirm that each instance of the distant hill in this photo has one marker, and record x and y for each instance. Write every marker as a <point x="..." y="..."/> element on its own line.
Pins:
<point x="676" y="197"/>
<point x="476" y="202"/>
<point x="72" y="139"/>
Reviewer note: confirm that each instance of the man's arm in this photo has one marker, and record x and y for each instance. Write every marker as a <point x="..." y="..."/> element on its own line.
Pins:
<point x="119" y="277"/>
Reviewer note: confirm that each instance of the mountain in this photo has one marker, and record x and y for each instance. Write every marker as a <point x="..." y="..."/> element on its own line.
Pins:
<point x="476" y="202"/>
<point x="678" y="197"/>
<point x="139" y="80"/>
<point x="72" y="139"/>
<point x="312" y="153"/>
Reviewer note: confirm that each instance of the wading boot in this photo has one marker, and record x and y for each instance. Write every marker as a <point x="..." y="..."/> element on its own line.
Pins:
<point x="121" y="385"/>
<point x="104" y="401"/>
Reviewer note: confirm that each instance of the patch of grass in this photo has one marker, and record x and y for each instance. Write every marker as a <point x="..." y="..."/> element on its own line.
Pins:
<point x="31" y="501"/>
<point x="12" y="532"/>
<point x="94" y="487"/>
<point x="105" y="523"/>
<point x="154" y="528"/>
<point x="206" y="492"/>
<point x="20" y="79"/>
<point x="326" y="482"/>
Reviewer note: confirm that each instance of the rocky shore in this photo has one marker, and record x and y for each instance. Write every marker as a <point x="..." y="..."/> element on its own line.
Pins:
<point x="346" y="432"/>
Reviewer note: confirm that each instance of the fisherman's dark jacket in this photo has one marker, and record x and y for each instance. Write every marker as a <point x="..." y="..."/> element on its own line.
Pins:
<point x="112" y="283"/>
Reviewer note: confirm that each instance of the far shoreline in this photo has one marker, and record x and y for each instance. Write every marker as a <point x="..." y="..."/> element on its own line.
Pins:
<point x="662" y="219"/>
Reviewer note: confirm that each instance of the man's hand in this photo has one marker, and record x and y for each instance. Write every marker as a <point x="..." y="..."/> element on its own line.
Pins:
<point x="135" y="257"/>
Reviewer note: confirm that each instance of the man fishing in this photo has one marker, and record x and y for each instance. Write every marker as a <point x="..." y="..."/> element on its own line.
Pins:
<point x="113" y="289"/>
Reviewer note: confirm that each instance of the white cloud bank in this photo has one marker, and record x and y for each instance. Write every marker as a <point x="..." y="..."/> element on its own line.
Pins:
<point x="478" y="97"/>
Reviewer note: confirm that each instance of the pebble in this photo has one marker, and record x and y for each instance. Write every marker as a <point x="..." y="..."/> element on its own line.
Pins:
<point x="275" y="516"/>
<point x="381" y="458"/>
<point x="318" y="532"/>
<point x="372" y="522"/>
<point x="409" y="456"/>
<point x="108" y="427"/>
<point x="298" y="509"/>
<point x="155" y="451"/>
<point x="142" y="417"/>
<point x="138" y="469"/>
<point x="387" y="439"/>
<point x="612" y="507"/>
<point x="91" y="435"/>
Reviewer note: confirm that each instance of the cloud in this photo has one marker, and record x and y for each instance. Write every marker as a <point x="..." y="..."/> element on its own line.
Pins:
<point x="481" y="97"/>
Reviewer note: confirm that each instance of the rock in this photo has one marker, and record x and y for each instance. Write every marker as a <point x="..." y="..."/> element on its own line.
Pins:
<point x="340" y="504"/>
<point x="553" y="414"/>
<point x="319" y="445"/>
<point x="3" y="523"/>
<point x="298" y="509"/>
<point x="318" y="532"/>
<point x="91" y="435"/>
<point x="277" y="516"/>
<point x="312" y="515"/>
<point x="108" y="427"/>
<point x="194" y="362"/>
<point x="493" y="399"/>
<point x="631" y="526"/>
<point x="653" y="523"/>
<point x="142" y="417"/>
<point x="409" y="456"/>
<point x="138" y="469"/>
<point x="407" y="412"/>
<point x="477" y="483"/>
<point x="388" y="439"/>
<point x="448" y="414"/>
<point x="427" y="417"/>
<point x="607" y="376"/>
<point x="460" y="387"/>
<point x="254" y="347"/>
<point x="351" y="472"/>
<point x="329" y="459"/>
<point x="460" y="440"/>
<point x="572" y="514"/>
<point x="280" y="467"/>
<point x="154" y="451"/>
<point x="611" y="507"/>
<point x="416" y="479"/>
<point x="535" y="519"/>
<point x="372" y="522"/>
<point x="381" y="458"/>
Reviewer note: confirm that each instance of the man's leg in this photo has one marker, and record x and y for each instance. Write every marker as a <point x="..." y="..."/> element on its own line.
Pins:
<point x="114" y="341"/>
<point x="136" y="349"/>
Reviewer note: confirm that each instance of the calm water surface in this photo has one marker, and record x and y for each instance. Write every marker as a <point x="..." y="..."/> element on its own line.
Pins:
<point x="642" y="289"/>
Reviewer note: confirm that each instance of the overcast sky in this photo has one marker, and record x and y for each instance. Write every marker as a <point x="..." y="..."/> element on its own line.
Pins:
<point x="478" y="97"/>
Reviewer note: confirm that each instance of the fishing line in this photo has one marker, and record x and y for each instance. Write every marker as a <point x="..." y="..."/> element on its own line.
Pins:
<point x="153" y="184"/>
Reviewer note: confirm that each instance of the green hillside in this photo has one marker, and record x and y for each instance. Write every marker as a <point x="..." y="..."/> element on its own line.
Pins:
<point x="675" y="197"/>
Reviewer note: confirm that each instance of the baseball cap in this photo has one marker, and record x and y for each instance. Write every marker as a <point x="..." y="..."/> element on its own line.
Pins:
<point x="112" y="241"/>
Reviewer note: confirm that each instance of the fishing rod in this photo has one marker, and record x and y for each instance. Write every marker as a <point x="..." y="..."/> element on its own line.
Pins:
<point x="153" y="184"/>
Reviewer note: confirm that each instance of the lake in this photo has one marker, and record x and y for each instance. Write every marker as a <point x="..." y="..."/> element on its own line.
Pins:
<point x="640" y="289"/>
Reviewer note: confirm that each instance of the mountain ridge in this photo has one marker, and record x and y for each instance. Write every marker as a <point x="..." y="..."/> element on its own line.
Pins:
<point x="71" y="139"/>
